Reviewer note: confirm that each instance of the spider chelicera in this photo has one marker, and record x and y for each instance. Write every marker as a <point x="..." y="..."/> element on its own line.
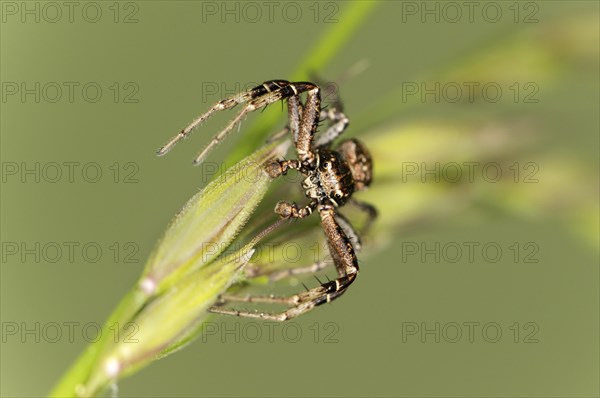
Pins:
<point x="332" y="176"/>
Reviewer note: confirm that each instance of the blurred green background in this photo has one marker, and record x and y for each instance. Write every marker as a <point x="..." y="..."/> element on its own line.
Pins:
<point x="158" y="64"/>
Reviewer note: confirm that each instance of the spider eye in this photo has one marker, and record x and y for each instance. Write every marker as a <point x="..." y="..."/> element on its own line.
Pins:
<point x="326" y="165"/>
<point x="338" y="195"/>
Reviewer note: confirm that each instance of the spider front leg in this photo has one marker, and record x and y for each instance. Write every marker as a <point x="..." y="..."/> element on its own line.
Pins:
<point x="284" y="90"/>
<point x="256" y="98"/>
<point x="227" y="103"/>
<point x="345" y="262"/>
<point x="335" y="115"/>
<point x="294" y="117"/>
<point x="295" y="111"/>
<point x="339" y="124"/>
<point x="307" y="127"/>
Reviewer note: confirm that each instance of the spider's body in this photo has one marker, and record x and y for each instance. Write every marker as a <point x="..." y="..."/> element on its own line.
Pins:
<point x="332" y="176"/>
<point x="332" y="180"/>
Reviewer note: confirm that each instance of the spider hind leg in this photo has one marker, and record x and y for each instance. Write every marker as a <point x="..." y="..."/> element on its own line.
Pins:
<point x="299" y="303"/>
<point x="344" y="258"/>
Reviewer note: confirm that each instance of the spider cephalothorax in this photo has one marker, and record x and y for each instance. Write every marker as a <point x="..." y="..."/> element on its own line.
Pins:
<point x="332" y="175"/>
<point x="332" y="179"/>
